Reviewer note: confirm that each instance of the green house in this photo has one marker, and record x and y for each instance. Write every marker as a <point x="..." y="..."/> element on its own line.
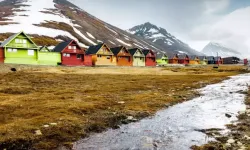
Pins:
<point x="20" y="49"/>
<point x="138" y="57"/>
<point x="203" y="60"/>
<point x="46" y="57"/>
<point x="161" y="59"/>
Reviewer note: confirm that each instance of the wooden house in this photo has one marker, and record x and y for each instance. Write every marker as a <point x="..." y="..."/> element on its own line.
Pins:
<point x="72" y="54"/>
<point x="1" y="55"/>
<point x="47" y="57"/>
<point x="194" y="60"/>
<point x="161" y="59"/>
<point x="231" y="60"/>
<point x="150" y="57"/>
<point x="122" y="56"/>
<point x="183" y="59"/>
<point x="19" y="49"/>
<point x="203" y="60"/>
<point x="173" y="59"/>
<point x="138" y="57"/>
<point x="211" y="60"/>
<point x="218" y="60"/>
<point x="101" y="55"/>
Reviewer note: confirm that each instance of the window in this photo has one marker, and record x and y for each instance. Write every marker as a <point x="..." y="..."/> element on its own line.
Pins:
<point x="74" y="47"/>
<point x="24" y="41"/>
<point x="79" y="56"/>
<point x="14" y="50"/>
<point x="18" y="41"/>
<point x="68" y="55"/>
<point x="64" y="54"/>
<point x="70" y="47"/>
<point x="9" y="50"/>
<point x="108" y="57"/>
<point x="31" y="52"/>
<point x="100" y="56"/>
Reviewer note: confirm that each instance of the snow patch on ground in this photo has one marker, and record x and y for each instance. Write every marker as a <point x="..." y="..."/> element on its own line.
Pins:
<point x="122" y="42"/>
<point x="90" y="35"/>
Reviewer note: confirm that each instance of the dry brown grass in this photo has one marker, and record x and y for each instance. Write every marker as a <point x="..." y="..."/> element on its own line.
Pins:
<point x="83" y="103"/>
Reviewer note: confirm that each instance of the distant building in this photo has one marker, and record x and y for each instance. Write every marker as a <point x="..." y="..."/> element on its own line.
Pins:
<point x="231" y="60"/>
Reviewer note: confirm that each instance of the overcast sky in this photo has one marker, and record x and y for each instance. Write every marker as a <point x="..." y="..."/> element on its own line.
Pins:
<point x="196" y="22"/>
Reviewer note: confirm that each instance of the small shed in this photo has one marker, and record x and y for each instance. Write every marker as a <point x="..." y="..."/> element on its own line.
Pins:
<point x="47" y="57"/>
<point x="138" y="57"/>
<point x="122" y="56"/>
<point x="101" y="55"/>
<point x="218" y="60"/>
<point x="203" y="60"/>
<point x="183" y="59"/>
<point x="194" y="60"/>
<point x="71" y="53"/>
<point x="161" y="59"/>
<point x="1" y="55"/>
<point x="19" y="49"/>
<point x="150" y="57"/>
<point x="210" y="59"/>
<point x="173" y="59"/>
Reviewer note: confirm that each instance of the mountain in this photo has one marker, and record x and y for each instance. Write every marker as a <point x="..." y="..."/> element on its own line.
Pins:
<point x="212" y="48"/>
<point x="51" y="21"/>
<point x="162" y="39"/>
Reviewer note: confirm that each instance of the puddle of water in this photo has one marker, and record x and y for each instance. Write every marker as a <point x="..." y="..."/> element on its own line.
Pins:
<point x="176" y="127"/>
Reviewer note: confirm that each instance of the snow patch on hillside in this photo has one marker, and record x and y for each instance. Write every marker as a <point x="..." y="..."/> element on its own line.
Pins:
<point x="90" y="35"/>
<point x="122" y="42"/>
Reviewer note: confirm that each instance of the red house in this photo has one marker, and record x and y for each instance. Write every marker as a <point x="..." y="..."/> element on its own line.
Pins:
<point x="183" y="59"/>
<point x="1" y="55"/>
<point x="72" y="54"/>
<point x="218" y="60"/>
<point x="150" y="57"/>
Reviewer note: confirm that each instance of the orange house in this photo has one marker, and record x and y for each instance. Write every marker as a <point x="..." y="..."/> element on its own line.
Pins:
<point x="194" y="60"/>
<point x="122" y="56"/>
<point x="101" y="55"/>
<point x="173" y="59"/>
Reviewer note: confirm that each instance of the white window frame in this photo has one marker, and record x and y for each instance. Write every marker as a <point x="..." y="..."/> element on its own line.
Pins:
<point x="9" y="49"/>
<point x="14" y="50"/>
<point x="24" y="41"/>
<point x="69" y="47"/>
<point x="68" y="55"/>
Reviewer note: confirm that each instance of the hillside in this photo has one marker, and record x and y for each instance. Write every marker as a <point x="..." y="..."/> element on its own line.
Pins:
<point x="62" y="20"/>
<point x="162" y="38"/>
<point x="213" y="48"/>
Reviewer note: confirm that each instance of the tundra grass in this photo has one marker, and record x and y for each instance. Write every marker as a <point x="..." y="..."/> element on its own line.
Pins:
<point x="41" y="110"/>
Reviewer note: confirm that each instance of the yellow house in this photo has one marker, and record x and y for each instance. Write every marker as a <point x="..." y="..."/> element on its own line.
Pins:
<point x="194" y="60"/>
<point x="101" y="55"/>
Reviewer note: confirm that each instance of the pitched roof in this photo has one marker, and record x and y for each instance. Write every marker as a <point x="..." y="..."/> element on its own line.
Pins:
<point x="43" y="48"/>
<point x="193" y="57"/>
<point x="94" y="49"/>
<point x="61" y="46"/>
<point x="116" y="50"/>
<point x="182" y="56"/>
<point x="145" y="51"/>
<point x="210" y="58"/>
<point x="171" y="56"/>
<point x="159" y="55"/>
<point x="5" y="42"/>
<point x="133" y="50"/>
<point x="202" y="57"/>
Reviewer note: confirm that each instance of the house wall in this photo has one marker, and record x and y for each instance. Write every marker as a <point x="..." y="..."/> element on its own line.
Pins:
<point x="173" y="61"/>
<point x="211" y="62"/>
<point x="203" y="62"/>
<point x="88" y="60"/>
<point x="150" y="61"/>
<point x="104" y="60"/>
<point x="20" y="56"/>
<point x="49" y="58"/>
<point x="194" y="62"/>
<point x="1" y="55"/>
<point x="138" y="61"/>
<point x="163" y="61"/>
<point x="72" y="60"/>
<point x="183" y="61"/>
<point x="219" y="62"/>
<point x="124" y="60"/>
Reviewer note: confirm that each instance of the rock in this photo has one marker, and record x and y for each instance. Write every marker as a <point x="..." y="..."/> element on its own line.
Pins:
<point x="231" y="141"/>
<point x="121" y="102"/>
<point x="130" y="117"/>
<point x="228" y="115"/>
<point x="246" y="137"/>
<point x="228" y="145"/>
<point x="46" y="126"/>
<point x="167" y="104"/>
<point x="239" y="143"/>
<point x="242" y="112"/>
<point x="38" y="132"/>
<point x="53" y="124"/>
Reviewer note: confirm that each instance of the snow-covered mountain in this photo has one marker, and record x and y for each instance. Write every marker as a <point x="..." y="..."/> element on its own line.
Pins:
<point x="213" y="48"/>
<point x="162" y="38"/>
<point x="47" y="20"/>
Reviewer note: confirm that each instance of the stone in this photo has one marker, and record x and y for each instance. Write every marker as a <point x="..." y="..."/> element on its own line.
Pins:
<point x="45" y="126"/>
<point x="246" y="137"/>
<point x="167" y="104"/>
<point x="130" y="117"/>
<point x="38" y="132"/>
<point x="228" y="145"/>
<point x="239" y="143"/>
<point x="231" y="141"/>
<point x="121" y="102"/>
<point x="53" y="124"/>
<point x="228" y="115"/>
